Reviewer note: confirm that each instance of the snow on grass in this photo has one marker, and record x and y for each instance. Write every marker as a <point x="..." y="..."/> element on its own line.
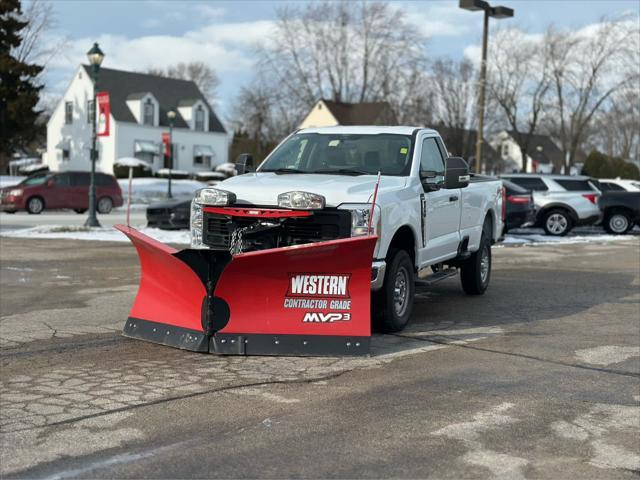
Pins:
<point x="541" y="239"/>
<point x="8" y="180"/>
<point x="104" y="234"/>
<point x="150" y="190"/>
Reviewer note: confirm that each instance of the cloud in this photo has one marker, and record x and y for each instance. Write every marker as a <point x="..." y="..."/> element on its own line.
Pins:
<point x="440" y="18"/>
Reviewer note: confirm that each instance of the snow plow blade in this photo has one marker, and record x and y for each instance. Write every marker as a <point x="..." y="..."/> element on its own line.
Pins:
<point x="305" y="300"/>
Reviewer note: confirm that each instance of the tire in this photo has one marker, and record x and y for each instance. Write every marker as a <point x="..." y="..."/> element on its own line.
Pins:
<point x="80" y="210"/>
<point x="35" y="205"/>
<point x="105" y="205"/>
<point x="393" y="308"/>
<point x="617" y="222"/>
<point x="557" y="222"/>
<point x="475" y="272"/>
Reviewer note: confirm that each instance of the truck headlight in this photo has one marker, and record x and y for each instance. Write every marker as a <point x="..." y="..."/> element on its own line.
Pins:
<point x="214" y="196"/>
<point x="360" y="219"/>
<point x="16" y="192"/>
<point x="196" y="225"/>
<point x="301" y="201"/>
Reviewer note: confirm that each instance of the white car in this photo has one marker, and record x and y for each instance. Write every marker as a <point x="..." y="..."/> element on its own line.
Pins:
<point x="619" y="185"/>
<point x="431" y="216"/>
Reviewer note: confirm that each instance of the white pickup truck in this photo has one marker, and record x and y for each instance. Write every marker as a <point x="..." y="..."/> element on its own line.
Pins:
<point x="432" y="217"/>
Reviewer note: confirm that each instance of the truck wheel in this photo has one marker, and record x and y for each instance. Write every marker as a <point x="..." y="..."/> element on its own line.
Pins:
<point x="475" y="272"/>
<point x="35" y="205"/>
<point x="395" y="299"/>
<point x="557" y="222"/>
<point x="617" y="223"/>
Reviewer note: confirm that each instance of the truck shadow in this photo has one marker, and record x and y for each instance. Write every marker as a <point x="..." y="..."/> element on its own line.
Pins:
<point x="522" y="296"/>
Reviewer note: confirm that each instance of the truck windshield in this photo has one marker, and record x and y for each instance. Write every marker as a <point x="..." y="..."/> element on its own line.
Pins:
<point x="339" y="154"/>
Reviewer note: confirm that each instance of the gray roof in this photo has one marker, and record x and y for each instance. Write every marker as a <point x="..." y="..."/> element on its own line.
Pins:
<point x="168" y="91"/>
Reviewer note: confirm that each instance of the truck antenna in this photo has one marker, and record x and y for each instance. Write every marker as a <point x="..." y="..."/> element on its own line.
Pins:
<point x="373" y="203"/>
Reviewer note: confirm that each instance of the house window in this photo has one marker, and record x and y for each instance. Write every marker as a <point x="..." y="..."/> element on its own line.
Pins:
<point x="148" y="113"/>
<point x="200" y="119"/>
<point x="505" y="149"/>
<point x="91" y="111"/>
<point x="202" y="156"/>
<point x="65" y="153"/>
<point x="68" y="113"/>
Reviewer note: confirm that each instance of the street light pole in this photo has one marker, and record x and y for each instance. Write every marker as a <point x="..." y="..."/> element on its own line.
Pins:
<point x="171" y="115"/>
<point x="95" y="56"/>
<point x="489" y="11"/>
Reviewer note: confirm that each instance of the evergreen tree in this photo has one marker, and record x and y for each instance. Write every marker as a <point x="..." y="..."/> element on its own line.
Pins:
<point x="18" y="92"/>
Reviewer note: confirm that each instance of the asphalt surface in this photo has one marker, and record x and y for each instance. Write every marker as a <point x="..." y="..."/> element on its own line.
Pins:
<point x="68" y="218"/>
<point x="538" y="378"/>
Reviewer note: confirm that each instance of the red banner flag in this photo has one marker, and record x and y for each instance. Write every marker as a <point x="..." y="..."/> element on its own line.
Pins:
<point x="166" y="142"/>
<point x="104" y="111"/>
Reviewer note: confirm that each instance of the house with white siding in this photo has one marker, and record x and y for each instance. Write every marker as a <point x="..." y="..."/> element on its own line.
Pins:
<point x="138" y="118"/>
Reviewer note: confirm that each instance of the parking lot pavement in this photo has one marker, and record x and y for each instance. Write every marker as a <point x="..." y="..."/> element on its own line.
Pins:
<point x="18" y="220"/>
<point x="540" y="377"/>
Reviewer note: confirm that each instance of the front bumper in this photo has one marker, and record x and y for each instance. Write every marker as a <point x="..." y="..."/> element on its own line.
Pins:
<point x="378" y="269"/>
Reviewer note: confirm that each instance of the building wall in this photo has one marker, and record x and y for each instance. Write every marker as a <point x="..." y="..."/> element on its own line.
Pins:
<point x="184" y="142"/>
<point x="120" y="142"/>
<point x="80" y="90"/>
<point x="319" y="116"/>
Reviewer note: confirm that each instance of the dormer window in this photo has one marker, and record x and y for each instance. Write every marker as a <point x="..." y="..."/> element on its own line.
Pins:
<point x="199" y="124"/>
<point x="148" y="114"/>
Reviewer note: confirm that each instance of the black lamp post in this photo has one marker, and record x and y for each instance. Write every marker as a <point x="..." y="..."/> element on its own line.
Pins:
<point x="171" y="115"/>
<point x="489" y="11"/>
<point x="95" y="57"/>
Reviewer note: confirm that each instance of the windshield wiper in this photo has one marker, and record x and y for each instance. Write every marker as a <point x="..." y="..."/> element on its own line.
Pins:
<point x="344" y="171"/>
<point x="282" y="170"/>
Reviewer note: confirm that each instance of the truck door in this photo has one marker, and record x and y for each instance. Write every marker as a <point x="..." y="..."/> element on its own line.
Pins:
<point x="443" y="207"/>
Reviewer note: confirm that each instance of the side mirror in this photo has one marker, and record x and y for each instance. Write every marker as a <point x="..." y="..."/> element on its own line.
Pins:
<point x="244" y="163"/>
<point x="427" y="178"/>
<point x="51" y="182"/>
<point x="456" y="174"/>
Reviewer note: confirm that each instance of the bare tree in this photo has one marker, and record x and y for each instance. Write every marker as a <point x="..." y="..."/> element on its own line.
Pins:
<point x="587" y="69"/>
<point x="38" y="44"/>
<point x="346" y="51"/>
<point x="519" y="84"/>
<point x="198" y="72"/>
<point x="454" y="89"/>
<point x="616" y="129"/>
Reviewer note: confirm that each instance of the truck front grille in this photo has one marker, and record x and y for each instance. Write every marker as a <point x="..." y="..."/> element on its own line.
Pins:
<point x="324" y="225"/>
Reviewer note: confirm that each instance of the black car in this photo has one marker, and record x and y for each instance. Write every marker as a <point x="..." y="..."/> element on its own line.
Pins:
<point x="170" y="215"/>
<point x="519" y="206"/>
<point x="621" y="211"/>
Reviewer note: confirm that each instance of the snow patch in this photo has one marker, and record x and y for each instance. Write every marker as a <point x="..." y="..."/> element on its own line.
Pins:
<point x="539" y="239"/>
<point x="9" y="180"/>
<point x="607" y="354"/>
<point x="97" y="234"/>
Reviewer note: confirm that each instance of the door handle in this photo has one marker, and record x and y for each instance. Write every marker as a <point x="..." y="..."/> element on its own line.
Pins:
<point x="453" y="198"/>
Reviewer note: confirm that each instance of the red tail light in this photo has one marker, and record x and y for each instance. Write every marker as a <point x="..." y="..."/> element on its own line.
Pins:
<point x="519" y="199"/>
<point x="592" y="197"/>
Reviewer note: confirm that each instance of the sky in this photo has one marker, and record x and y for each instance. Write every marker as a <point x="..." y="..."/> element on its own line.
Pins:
<point x="136" y="34"/>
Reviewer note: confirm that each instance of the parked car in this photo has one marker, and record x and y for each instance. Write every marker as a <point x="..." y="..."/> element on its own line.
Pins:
<point x="561" y="201"/>
<point x="621" y="211"/>
<point x="170" y="215"/>
<point x="519" y="208"/>
<point x="619" y="185"/>
<point x="49" y="191"/>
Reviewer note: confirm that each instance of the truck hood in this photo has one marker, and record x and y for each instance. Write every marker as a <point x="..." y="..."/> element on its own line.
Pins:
<point x="263" y="188"/>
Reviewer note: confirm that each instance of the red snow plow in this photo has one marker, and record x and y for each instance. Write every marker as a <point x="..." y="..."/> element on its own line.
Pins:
<point x="311" y="299"/>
